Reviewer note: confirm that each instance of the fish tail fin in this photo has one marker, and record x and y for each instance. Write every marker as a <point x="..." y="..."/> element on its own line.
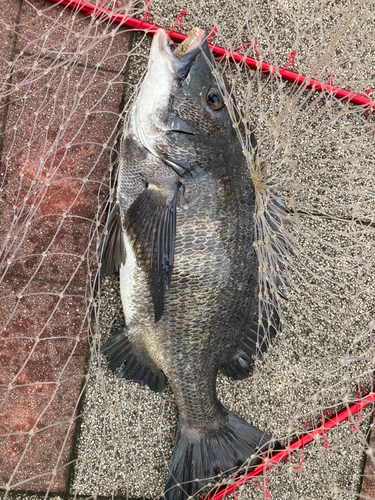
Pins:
<point x="200" y="456"/>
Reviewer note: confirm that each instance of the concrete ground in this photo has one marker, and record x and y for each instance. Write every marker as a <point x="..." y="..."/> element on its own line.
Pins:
<point x="59" y="122"/>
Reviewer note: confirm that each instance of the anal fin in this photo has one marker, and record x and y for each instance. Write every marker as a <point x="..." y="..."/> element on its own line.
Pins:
<point x="137" y="368"/>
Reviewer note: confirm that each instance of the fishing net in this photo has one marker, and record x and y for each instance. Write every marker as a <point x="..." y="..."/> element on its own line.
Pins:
<point x="69" y="426"/>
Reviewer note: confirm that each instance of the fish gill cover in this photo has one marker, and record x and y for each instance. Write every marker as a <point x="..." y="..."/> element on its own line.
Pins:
<point x="68" y="426"/>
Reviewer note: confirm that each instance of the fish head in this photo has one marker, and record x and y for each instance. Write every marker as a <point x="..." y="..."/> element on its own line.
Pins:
<point x="183" y="114"/>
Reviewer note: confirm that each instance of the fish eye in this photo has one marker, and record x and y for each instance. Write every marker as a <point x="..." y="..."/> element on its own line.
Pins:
<point x="214" y="99"/>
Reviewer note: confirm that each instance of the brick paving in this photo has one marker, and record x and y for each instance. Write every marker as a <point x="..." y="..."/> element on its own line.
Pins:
<point x="54" y="182"/>
<point x="7" y="44"/>
<point x="38" y="413"/>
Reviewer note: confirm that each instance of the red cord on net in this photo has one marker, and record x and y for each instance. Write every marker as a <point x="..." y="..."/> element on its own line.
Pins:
<point x="236" y="51"/>
<point x="291" y="59"/>
<point x="326" y="424"/>
<point x="89" y="9"/>
<point x="147" y="12"/>
<point x="330" y="414"/>
<point x="369" y="92"/>
<point x="299" y="467"/>
<point x="180" y="18"/>
<point x="265" y="490"/>
<point x="359" y="394"/>
<point x="211" y="34"/>
<point x="255" y="42"/>
<point x="330" y="79"/>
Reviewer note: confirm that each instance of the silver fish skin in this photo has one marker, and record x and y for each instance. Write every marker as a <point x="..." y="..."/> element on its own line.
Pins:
<point x="181" y="234"/>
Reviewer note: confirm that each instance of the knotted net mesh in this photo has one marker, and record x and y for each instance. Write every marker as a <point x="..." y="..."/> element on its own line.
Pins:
<point x="69" y="426"/>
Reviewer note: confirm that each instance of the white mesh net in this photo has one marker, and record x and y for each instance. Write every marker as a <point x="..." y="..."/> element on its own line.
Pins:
<point x="69" y="426"/>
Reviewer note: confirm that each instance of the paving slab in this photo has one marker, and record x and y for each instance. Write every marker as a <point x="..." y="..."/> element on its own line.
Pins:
<point x="57" y="32"/>
<point x="57" y="193"/>
<point x="42" y="357"/>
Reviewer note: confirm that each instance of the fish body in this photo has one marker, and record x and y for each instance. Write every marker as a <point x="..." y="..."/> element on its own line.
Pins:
<point x="181" y="234"/>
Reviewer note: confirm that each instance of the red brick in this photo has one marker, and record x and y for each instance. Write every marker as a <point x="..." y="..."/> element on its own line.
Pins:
<point x="9" y="10"/>
<point x="54" y="182"/>
<point x="58" y="32"/>
<point x="42" y="356"/>
<point x="56" y="185"/>
<point x="368" y="484"/>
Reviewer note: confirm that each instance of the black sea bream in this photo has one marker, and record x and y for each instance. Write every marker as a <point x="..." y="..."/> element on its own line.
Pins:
<point x="181" y="234"/>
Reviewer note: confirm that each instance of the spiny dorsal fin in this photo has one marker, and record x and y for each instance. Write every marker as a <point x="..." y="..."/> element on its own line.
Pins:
<point x="151" y="224"/>
<point x="112" y="252"/>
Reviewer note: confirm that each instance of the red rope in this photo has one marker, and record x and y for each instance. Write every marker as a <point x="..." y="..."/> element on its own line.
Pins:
<point x="265" y="490"/>
<point x="291" y="59"/>
<point x="326" y="424"/>
<point x="268" y="69"/>
<point x="237" y="49"/>
<point x="180" y="18"/>
<point x="368" y="110"/>
<point x="358" y="395"/>
<point x="211" y="34"/>
<point x="147" y="12"/>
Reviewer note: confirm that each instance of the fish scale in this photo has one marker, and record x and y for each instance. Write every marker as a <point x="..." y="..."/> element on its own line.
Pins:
<point x="189" y="272"/>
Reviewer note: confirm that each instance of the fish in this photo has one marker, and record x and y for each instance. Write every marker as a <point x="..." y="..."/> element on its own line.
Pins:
<point x="181" y="235"/>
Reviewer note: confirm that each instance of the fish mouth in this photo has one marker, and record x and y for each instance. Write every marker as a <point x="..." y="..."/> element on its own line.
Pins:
<point x="184" y="55"/>
<point x="166" y="70"/>
<point x="190" y="44"/>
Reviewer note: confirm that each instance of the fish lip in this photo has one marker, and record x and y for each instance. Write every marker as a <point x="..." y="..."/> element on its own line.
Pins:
<point x="183" y="63"/>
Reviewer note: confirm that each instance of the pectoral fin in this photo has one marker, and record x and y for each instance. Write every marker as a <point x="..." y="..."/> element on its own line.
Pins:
<point x="151" y="225"/>
<point x="112" y="252"/>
